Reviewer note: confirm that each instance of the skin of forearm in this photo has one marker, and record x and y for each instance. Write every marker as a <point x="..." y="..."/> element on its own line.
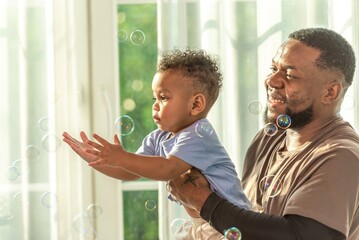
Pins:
<point x="154" y="167"/>
<point x="116" y="172"/>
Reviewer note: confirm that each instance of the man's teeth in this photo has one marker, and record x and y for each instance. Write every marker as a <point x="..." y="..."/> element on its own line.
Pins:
<point x="277" y="101"/>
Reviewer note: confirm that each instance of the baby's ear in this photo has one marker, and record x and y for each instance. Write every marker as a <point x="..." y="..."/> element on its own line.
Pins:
<point x="198" y="104"/>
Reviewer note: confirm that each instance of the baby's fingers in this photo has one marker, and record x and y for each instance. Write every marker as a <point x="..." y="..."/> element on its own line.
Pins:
<point x="93" y="152"/>
<point x="95" y="145"/>
<point x="100" y="139"/>
<point x="68" y="139"/>
<point x="97" y="162"/>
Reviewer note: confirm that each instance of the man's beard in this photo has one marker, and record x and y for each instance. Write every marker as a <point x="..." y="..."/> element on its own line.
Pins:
<point x="298" y="120"/>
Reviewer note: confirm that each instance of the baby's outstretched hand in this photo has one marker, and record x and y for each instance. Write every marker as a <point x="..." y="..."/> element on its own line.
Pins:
<point x="106" y="152"/>
<point x="79" y="147"/>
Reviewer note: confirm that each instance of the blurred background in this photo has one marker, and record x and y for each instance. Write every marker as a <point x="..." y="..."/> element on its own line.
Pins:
<point x="72" y="65"/>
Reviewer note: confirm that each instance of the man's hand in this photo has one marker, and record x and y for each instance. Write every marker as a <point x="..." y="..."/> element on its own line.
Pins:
<point x="190" y="189"/>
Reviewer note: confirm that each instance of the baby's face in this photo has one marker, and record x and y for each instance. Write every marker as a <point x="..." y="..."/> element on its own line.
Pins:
<point x="172" y="94"/>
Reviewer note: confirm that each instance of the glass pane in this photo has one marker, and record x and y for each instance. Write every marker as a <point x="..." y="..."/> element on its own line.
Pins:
<point x="26" y="142"/>
<point x="141" y="214"/>
<point x="137" y="38"/>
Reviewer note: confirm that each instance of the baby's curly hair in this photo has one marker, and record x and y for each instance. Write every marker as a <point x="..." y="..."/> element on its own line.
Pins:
<point x="196" y="65"/>
<point x="336" y="52"/>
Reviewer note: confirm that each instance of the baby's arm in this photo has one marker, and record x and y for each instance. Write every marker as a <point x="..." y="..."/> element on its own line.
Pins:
<point x="152" y="167"/>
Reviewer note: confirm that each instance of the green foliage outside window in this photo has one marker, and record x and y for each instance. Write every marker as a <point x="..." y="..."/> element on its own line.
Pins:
<point x="137" y="39"/>
<point x="138" y="63"/>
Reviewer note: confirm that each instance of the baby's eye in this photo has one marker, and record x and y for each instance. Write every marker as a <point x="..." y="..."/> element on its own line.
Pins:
<point x="163" y="98"/>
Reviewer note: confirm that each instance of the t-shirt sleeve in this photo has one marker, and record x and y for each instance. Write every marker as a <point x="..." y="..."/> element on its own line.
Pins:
<point x="148" y="145"/>
<point x="333" y="189"/>
<point x="190" y="148"/>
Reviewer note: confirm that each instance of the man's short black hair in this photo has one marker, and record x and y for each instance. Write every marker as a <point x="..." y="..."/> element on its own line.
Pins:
<point x="336" y="52"/>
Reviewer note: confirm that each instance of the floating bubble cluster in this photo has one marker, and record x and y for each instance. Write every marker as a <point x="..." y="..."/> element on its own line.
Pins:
<point x="137" y="37"/>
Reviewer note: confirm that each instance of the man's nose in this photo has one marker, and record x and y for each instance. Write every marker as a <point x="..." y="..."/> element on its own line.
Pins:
<point x="275" y="80"/>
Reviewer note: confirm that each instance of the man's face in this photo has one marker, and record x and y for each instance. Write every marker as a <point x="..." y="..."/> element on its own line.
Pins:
<point x="294" y="85"/>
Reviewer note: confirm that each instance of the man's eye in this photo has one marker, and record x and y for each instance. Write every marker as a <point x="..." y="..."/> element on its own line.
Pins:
<point x="273" y="69"/>
<point x="291" y="76"/>
<point x="163" y="98"/>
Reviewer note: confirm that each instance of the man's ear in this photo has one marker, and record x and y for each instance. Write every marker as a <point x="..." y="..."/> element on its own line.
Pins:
<point x="332" y="92"/>
<point x="198" y="104"/>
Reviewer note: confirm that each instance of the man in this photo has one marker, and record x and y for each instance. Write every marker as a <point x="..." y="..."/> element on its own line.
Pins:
<point x="303" y="182"/>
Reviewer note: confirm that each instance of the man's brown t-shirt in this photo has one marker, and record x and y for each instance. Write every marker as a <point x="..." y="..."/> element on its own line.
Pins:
<point x="319" y="180"/>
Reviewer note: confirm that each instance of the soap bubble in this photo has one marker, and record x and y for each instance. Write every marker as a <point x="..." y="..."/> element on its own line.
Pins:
<point x="283" y="121"/>
<point x="150" y="205"/>
<point x="5" y="211"/>
<point x="233" y="234"/>
<point x="255" y="107"/>
<point x="124" y="125"/>
<point x="32" y="152"/>
<point x="203" y="129"/>
<point x="270" y="186"/>
<point x="12" y="173"/>
<point x="48" y="199"/>
<point x="19" y="201"/>
<point x="43" y="124"/>
<point x="176" y="224"/>
<point x="82" y="223"/>
<point x="270" y="129"/>
<point x="90" y="235"/>
<point x="94" y="210"/>
<point x="122" y="35"/>
<point x="50" y="142"/>
<point x="137" y="37"/>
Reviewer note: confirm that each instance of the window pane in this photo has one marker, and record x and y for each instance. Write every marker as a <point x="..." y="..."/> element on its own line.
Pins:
<point x="137" y="39"/>
<point x="141" y="214"/>
<point x="26" y="140"/>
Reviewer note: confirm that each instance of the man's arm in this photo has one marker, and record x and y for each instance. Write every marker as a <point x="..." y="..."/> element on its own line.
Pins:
<point x="223" y="215"/>
<point x="192" y="190"/>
